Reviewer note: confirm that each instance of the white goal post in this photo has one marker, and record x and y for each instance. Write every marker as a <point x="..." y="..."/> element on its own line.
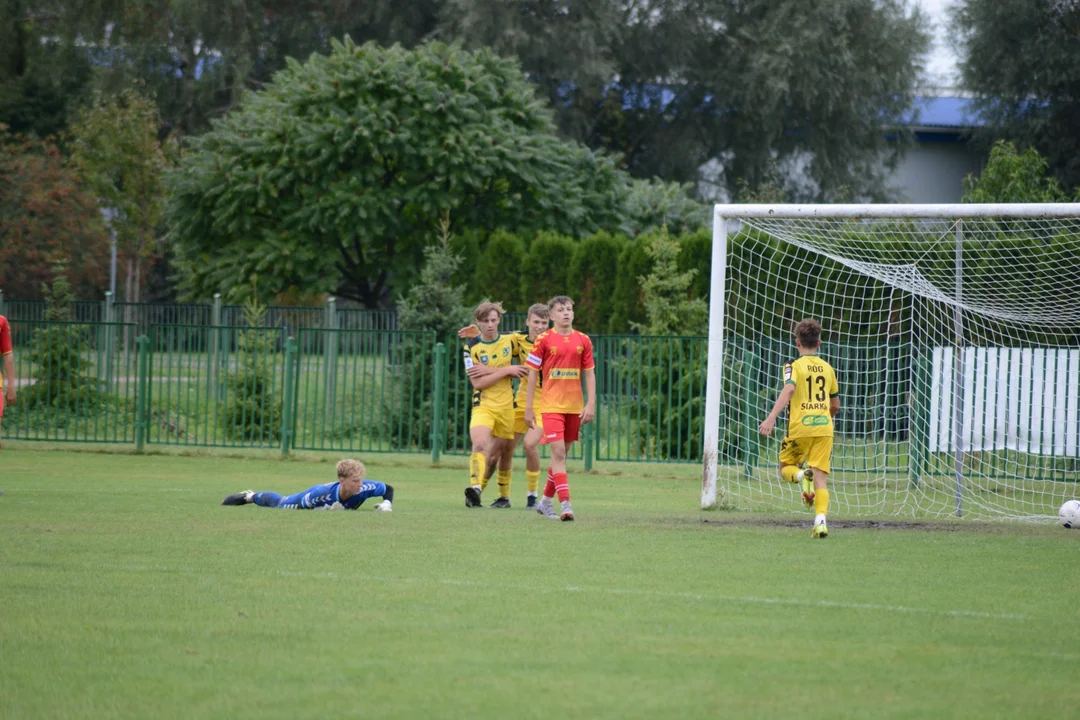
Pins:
<point x="955" y="331"/>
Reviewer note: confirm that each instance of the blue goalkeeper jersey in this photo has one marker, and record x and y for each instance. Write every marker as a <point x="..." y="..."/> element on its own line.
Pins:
<point x="326" y="496"/>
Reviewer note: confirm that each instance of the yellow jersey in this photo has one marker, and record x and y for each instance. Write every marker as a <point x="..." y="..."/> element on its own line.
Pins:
<point x="815" y="384"/>
<point x="498" y="353"/>
<point x="524" y="347"/>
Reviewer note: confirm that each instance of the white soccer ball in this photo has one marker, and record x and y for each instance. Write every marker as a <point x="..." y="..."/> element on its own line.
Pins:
<point x="1069" y="514"/>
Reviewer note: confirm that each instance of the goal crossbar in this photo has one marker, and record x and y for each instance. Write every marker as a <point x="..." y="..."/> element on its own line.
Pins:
<point x="946" y="211"/>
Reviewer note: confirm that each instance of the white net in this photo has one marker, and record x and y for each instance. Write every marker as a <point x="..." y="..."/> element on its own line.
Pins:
<point x="956" y="344"/>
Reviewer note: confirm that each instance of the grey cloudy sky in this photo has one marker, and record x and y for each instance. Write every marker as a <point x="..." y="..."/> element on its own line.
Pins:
<point x="941" y="65"/>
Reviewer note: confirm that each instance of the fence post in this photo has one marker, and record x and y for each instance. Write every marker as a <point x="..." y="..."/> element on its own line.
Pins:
<point x="330" y="347"/>
<point x="438" y="411"/>
<point x="215" y="348"/>
<point x="587" y="445"/>
<point x="108" y="310"/>
<point x="598" y="361"/>
<point x="142" y="409"/>
<point x="290" y="393"/>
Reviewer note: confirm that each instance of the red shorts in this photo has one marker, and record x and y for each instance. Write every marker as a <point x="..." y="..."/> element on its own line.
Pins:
<point x="561" y="426"/>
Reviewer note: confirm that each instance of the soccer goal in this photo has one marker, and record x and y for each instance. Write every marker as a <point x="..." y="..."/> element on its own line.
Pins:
<point x="955" y="334"/>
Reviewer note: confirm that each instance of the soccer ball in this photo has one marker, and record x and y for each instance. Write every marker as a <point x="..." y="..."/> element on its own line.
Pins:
<point x="1069" y="514"/>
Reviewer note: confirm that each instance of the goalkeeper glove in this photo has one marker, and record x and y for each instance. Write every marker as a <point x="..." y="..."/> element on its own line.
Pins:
<point x="384" y="506"/>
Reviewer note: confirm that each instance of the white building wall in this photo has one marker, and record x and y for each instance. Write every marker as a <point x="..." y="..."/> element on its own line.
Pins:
<point x="933" y="172"/>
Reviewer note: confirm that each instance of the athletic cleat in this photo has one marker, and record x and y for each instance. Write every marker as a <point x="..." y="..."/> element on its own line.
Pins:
<point x="820" y="531"/>
<point x="530" y="503"/>
<point x="240" y="498"/>
<point x="567" y="512"/>
<point x="472" y="497"/>
<point x="807" y="480"/>
<point x="545" y="508"/>
<point x="500" y="503"/>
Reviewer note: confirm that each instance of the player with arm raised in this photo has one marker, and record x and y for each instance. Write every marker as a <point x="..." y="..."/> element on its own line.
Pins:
<point x="561" y="357"/>
<point x="813" y="397"/>
<point x="536" y="322"/>
<point x="348" y="493"/>
<point x="488" y="365"/>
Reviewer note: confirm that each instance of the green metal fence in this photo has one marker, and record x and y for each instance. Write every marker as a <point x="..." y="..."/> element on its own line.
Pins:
<point x="379" y="390"/>
<point x="77" y="382"/>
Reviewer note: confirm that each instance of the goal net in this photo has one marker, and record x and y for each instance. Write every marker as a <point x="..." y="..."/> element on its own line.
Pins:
<point x="954" y="331"/>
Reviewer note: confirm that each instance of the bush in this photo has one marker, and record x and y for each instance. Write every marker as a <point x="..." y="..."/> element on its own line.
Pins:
<point x="594" y="271"/>
<point x="627" y="305"/>
<point x="499" y="272"/>
<point x="252" y="412"/>
<point x="696" y="254"/>
<point x="547" y="263"/>
<point x="434" y="305"/>
<point x="60" y="355"/>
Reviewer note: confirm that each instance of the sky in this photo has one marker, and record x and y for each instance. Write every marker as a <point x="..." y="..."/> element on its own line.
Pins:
<point x="941" y="65"/>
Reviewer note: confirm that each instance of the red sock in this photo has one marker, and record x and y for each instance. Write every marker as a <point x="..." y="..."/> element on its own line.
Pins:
<point x="549" y="486"/>
<point x="562" y="486"/>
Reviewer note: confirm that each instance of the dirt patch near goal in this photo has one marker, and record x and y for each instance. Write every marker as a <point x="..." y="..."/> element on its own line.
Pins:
<point x="988" y="528"/>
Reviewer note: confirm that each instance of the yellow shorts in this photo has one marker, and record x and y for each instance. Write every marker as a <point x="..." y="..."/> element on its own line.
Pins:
<point x="816" y="451"/>
<point x="501" y="421"/>
<point x="520" y="428"/>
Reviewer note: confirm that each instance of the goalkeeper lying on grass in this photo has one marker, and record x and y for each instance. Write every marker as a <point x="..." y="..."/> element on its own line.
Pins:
<point x="348" y="493"/>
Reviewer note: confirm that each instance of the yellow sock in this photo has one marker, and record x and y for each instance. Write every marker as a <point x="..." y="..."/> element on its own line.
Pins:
<point x="504" y="483"/>
<point x="476" y="468"/>
<point x="532" y="480"/>
<point x="821" y="501"/>
<point x="788" y="472"/>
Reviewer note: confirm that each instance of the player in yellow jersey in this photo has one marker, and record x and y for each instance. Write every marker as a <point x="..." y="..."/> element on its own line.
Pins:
<point x="488" y="361"/>
<point x="536" y="322"/>
<point x="813" y="398"/>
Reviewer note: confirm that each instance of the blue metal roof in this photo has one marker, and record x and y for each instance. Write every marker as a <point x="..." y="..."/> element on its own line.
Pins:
<point x="956" y="113"/>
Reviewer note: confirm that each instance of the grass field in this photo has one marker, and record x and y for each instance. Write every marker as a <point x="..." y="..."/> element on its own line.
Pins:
<point x="126" y="590"/>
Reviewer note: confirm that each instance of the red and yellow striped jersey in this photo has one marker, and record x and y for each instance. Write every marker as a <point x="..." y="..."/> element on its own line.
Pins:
<point x="561" y="360"/>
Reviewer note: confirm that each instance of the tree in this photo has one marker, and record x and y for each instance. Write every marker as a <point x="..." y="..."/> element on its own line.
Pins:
<point x="435" y="302"/>
<point x="669" y="309"/>
<point x="60" y="355"/>
<point x="199" y="59"/>
<point x="43" y="73"/>
<point x="1022" y="60"/>
<point x="567" y="48"/>
<point x="653" y="204"/>
<point x="115" y="143"/>
<point x="669" y="86"/>
<point x="327" y="178"/>
<point x="46" y="215"/>
<point x="1012" y="177"/>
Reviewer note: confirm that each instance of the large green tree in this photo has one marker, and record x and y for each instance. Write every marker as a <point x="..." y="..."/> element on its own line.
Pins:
<point x="1021" y="58"/>
<point x="672" y="84"/>
<point x="330" y="177"/>
<point x="116" y="146"/>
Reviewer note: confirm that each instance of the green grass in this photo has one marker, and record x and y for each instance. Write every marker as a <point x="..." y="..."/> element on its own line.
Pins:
<point x="126" y="590"/>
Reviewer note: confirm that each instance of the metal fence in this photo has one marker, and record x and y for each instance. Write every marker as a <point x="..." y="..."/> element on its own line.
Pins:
<point x="293" y="386"/>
